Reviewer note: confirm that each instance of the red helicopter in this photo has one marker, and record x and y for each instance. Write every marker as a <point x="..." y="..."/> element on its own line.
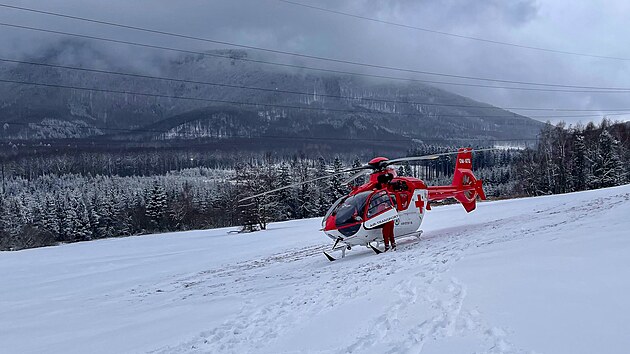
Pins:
<point x="357" y="218"/>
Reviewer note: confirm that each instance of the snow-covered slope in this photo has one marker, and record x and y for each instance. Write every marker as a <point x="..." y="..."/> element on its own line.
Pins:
<point x="538" y="275"/>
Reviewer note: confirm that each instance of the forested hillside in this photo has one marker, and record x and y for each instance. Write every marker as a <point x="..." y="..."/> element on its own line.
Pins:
<point x="43" y="209"/>
<point x="90" y="195"/>
<point x="75" y="90"/>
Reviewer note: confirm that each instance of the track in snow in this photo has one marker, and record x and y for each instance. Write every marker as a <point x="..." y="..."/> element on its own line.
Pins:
<point x="294" y="301"/>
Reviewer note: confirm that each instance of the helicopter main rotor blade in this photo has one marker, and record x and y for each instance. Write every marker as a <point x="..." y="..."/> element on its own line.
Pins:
<point x="430" y="157"/>
<point x="364" y="167"/>
<point x="355" y="176"/>
<point x="305" y="182"/>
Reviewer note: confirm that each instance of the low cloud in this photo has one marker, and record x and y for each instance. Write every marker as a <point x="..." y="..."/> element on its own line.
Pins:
<point x="560" y="24"/>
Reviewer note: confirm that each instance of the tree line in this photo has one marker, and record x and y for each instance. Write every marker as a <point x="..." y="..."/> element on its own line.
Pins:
<point x="569" y="159"/>
<point x="41" y="206"/>
<point x="61" y="208"/>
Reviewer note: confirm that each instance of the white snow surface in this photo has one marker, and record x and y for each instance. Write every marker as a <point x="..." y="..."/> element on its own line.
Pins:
<point x="533" y="275"/>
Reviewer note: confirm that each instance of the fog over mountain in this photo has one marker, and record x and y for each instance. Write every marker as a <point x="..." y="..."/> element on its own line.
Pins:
<point x="286" y="101"/>
<point x="559" y="25"/>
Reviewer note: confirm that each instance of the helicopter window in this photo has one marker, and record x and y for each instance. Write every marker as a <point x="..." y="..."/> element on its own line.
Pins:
<point x="333" y="208"/>
<point x="398" y="186"/>
<point x="380" y="202"/>
<point x="350" y="210"/>
<point x="404" y="200"/>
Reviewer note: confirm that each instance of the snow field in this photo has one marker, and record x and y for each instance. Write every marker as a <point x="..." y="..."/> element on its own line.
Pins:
<point x="535" y="275"/>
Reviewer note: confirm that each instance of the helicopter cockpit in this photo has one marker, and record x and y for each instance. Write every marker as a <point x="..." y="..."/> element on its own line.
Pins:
<point x="348" y="213"/>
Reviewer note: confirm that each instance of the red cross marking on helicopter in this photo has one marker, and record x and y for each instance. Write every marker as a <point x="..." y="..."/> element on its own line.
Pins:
<point x="420" y="203"/>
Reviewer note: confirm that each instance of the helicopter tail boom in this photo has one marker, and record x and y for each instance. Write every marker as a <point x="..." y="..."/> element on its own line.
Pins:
<point x="465" y="186"/>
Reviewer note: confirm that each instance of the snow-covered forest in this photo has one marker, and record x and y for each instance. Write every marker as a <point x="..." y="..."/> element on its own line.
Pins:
<point x="575" y="159"/>
<point x="91" y="195"/>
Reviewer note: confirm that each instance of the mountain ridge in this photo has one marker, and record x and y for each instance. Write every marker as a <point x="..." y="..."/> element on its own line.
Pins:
<point x="336" y="101"/>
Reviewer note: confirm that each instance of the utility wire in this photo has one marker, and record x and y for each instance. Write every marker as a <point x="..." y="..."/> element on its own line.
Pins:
<point x="278" y="105"/>
<point x="307" y="56"/>
<point x="67" y="67"/>
<point x="302" y="67"/>
<point x="250" y="87"/>
<point x="485" y="40"/>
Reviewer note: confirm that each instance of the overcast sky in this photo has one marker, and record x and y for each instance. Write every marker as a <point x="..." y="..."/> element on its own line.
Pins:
<point x="595" y="27"/>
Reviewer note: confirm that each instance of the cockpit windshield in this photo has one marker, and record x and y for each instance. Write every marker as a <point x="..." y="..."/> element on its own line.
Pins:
<point x="350" y="210"/>
<point x="332" y="209"/>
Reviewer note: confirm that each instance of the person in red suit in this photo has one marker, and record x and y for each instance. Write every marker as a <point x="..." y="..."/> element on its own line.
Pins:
<point x="388" y="236"/>
<point x="388" y="228"/>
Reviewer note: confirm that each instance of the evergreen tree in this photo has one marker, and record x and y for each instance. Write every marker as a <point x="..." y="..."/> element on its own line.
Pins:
<point x="608" y="169"/>
<point x="580" y="171"/>
<point x="407" y="170"/>
<point x="268" y="205"/>
<point x="322" y="188"/>
<point x="181" y="207"/>
<point x="94" y="213"/>
<point x="248" y="185"/>
<point x="544" y="157"/>
<point x="337" y="189"/>
<point x="70" y="221"/>
<point x="156" y="206"/>
<point x="107" y="215"/>
<point x="286" y="201"/>
<point x="305" y="193"/>
<point x="5" y="241"/>
<point x="123" y="224"/>
<point x="529" y="176"/>
<point x="49" y="216"/>
<point x="60" y="216"/>
<point x="82" y="226"/>
<point x="560" y="159"/>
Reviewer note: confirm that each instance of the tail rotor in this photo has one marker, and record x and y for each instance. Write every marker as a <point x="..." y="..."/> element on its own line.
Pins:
<point x="467" y="185"/>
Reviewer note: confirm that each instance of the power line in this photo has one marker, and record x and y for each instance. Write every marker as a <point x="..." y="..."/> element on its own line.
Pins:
<point x="277" y="105"/>
<point x="303" y="67"/>
<point x="67" y="67"/>
<point x="277" y="90"/>
<point x="275" y="51"/>
<point x="247" y="87"/>
<point x="485" y="40"/>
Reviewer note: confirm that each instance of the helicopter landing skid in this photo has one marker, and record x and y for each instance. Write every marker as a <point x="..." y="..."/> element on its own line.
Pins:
<point x="343" y="249"/>
<point x="376" y="250"/>
<point x="330" y="258"/>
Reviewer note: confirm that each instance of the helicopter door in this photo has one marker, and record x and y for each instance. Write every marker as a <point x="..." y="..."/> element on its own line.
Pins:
<point x="380" y="210"/>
